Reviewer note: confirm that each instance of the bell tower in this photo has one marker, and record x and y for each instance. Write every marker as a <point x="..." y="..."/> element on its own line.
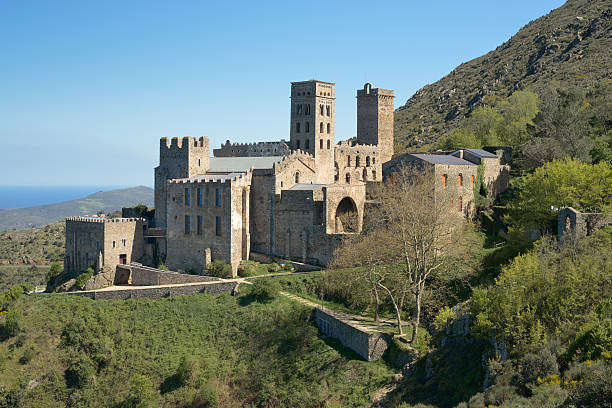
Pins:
<point x="375" y="119"/>
<point x="312" y="123"/>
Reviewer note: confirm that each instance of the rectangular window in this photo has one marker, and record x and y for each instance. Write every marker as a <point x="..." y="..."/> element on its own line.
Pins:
<point x="199" y="197"/>
<point x="123" y="242"/>
<point x="187" y="225"/>
<point x="199" y="225"/>
<point x="218" y="197"/>
<point x="114" y="244"/>
<point x="187" y="196"/>
<point x="218" y="225"/>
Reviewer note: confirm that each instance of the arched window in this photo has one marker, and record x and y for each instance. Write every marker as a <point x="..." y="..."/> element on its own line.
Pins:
<point x="328" y="128"/>
<point x="297" y="127"/>
<point x="348" y="177"/>
<point x="328" y="110"/>
<point x="357" y="160"/>
<point x="321" y="127"/>
<point x="307" y="127"/>
<point x="367" y="161"/>
<point x="321" y="144"/>
<point x="444" y="176"/>
<point x="365" y="174"/>
<point x="307" y="109"/>
<point x="321" y="109"/>
<point x="298" y="145"/>
<point x="373" y="174"/>
<point x="348" y="161"/>
<point x="460" y="179"/>
<point x="460" y="204"/>
<point x="307" y="144"/>
<point x="297" y="177"/>
<point x="328" y="144"/>
<point x="299" y="109"/>
<point x="373" y="160"/>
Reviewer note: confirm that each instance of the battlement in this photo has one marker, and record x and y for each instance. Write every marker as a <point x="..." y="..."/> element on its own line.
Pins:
<point x="257" y="149"/>
<point x="102" y="220"/>
<point x="212" y="178"/>
<point x="180" y="142"/>
<point x="369" y="91"/>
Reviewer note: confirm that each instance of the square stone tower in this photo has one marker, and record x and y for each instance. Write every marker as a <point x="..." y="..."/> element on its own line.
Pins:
<point x="375" y="119"/>
<point x="312" y="123"/>
<point x="178" y="158"/>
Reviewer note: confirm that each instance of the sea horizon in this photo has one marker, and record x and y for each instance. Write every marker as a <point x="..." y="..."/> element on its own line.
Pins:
<point x="31" y="196"/>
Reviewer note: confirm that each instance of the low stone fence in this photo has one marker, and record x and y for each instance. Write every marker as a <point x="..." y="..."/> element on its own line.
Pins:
<point x="369" y="344"/>
<point x="140" y="275"/>
<point x="212" y="288"/>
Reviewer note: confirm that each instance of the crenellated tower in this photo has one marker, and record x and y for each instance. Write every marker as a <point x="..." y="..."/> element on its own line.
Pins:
<point x="312" y="123"/>
<point x="178" y="158"/>
<point x="375" y="119"/>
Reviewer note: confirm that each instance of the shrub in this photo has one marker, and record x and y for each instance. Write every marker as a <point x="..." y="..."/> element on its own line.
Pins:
<point x="265" y="290"/>
<point x="55" y="270"/>
<point x="274" y="267"/>
<point x="594" y="385"/>
<point x="186" y="370"/>
<point x="12" y="322"/>
<point x="162" y="267"/>
<point x="82" y="279"/>
<point x="27" y="356"/>
<point x="444" y="317"/>
<point x="80" y="373"/>
<point x="141" y="393"/>
<point x="14" y="293"/>
<point x="220" y="269"/>
<point x="246" y="269"/>
<point x="536" y="365"/>
<point x="207" y="397"/>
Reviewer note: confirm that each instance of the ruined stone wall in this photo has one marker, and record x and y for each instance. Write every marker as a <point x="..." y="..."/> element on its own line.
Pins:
<point x="375" y="119"/>
<point x="573" y="224"/>
<point x="159" y="292"/>
<point x="258" y="149"/>
<point x="496" y="176"/>
<point x="178" y="158"/>
<point x="187" y="251"/>
<point x="370" y="345"/>
<point x="84" y="243"/>
<point x="362" y="163"/>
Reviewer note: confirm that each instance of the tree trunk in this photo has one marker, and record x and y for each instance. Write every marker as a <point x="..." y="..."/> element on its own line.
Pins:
<point x="417" y="316"/>
<point x="376" y="305"/>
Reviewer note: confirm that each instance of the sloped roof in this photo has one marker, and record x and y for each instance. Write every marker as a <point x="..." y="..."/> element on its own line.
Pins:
<point x="440" y="159"/>
<point x="307" y="186"/>
<point x="477" y="152"/>
<point x="241" y="164"/>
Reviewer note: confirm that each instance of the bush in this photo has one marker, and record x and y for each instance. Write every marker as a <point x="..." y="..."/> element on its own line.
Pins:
<point x="162" y="267"/>
<point x="12" y="322"/>
<point x="274" y="267"/>
<point x="536" y="365"/>
<point x="265" y="290"/>
<point x="82" y="279"/>
<point x="27" y="356"/>
<point x="444" y="317"/>
<point x="14" y="293"/>
<point x="246" y="269"/>
<point x="55" y="270"/>
<point x="186" y="370"/>
<point x="141" y="393"/>
<point x="220" y="269"/>
<point x="207" y="397"/>
<point x="80" y="373"/>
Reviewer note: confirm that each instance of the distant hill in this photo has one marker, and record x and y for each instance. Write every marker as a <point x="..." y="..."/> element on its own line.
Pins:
<point x="107" y="201"/>
<point x="571" y="45"/>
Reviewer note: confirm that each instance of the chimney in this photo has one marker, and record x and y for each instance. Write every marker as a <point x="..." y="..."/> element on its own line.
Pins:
<point x="461" y="153"/>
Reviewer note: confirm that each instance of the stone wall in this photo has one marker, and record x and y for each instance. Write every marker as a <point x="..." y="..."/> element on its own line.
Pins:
<point x="370" y="345"/>
<point x="572" y="223"/>
<point x="143" y="275"/>
<point x="84" y="243"/>
<point x="159" y="292"/>
<point x="355" y="163"/>
<point x="229" y="149"/>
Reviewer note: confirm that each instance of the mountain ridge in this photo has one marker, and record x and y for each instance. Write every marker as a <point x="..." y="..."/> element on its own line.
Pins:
<point x="569" y="45"/>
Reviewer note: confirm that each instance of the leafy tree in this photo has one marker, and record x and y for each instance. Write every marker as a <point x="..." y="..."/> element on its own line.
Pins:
<point x="81" y="373"/>
<point x="187" y="370"/>
<point x="141" y="393"/>
<point x="265" y="290"/>
<point x="561" y="183"/>
<point x="220" y="269"/>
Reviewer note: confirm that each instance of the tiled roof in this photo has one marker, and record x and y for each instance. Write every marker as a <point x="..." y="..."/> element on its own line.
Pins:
<point x="440" y="158"/>
<point x="241" y="164"/>
<point x="307" y="186"/>
<point x="478" y="152"/>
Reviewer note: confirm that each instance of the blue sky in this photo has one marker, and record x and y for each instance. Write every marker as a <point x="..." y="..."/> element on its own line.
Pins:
<point x="87" y="88"/>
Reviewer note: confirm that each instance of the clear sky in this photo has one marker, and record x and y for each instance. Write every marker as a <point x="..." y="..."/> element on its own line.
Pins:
<point x="87" y="88"/>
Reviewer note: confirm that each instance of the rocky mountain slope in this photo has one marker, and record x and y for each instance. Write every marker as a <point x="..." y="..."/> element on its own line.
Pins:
<point x="571" y="45"/>
<point x="107" y="201"/>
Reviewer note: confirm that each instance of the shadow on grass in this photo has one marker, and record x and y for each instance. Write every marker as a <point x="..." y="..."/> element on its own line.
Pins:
<point x="340" y="348"/>
<point x="170" y="384"/>
<point x="246" y="300"/>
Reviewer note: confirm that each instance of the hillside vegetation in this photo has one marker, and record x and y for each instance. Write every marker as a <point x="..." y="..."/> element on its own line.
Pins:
<point x="570" y="45"/>
<point x="179" y="352"/>
<point x="105" y="201"/>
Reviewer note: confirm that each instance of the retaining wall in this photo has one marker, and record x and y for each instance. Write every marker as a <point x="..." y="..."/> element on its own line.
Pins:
<point x="140" y="275"/>
<point x="370" y="345"/>
<point x="159" y="292"/>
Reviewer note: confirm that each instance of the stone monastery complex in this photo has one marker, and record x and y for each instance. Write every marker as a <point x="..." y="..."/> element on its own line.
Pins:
<point x="284" y="198"/>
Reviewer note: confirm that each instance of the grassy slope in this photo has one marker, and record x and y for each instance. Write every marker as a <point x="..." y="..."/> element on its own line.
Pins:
<point x="107" y="201"/>
<point x="267" y="354"/>
<point x="571" y="45"/>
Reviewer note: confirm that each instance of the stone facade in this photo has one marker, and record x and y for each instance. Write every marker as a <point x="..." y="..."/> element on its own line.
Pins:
<point x="375" y="119"/>
<point x="229" y="149"/>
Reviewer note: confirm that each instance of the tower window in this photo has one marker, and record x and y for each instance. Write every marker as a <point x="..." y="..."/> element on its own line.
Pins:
<point x="367" y="161"/>
<point x="365" y="174"/>
<point x="217" y="225"/>
<point x="187" y="197"/>
<point x="187" y="225"/>
<point x="348" y="177"/>
<point x="297" y="177"/>
<point x="328" y="110"/>
<point x="321" y="109"/>
<point x="307" y="144"/>
<point x="321" y="144"/>
<point x="307" y="109"/>
<point x="321" y="127"/>
<point x="328" y="144"/>
<point x="307" y="127"/>
<point x="199" y="197"/>
<point x="328" y="128"/>
<point x="218" y="197"/>
<point x="299" y="109"/>
<point x="357" y="160"/>
<point x="297" y="144"/>
<point x="297" y="127"/>
<point x="373" y="174"/>
<point x="348" y="161"/>
<point x="199" y="225"/>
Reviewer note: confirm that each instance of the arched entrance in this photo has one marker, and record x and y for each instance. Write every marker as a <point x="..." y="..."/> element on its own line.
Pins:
<point x="347" y="216"/>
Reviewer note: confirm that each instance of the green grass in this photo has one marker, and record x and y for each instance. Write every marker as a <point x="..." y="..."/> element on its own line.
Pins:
<point x="263" y="354"/>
